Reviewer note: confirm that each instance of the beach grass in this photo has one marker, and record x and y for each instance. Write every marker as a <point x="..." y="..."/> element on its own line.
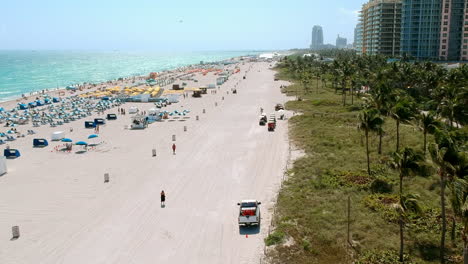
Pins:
<point x="312" y="210"/>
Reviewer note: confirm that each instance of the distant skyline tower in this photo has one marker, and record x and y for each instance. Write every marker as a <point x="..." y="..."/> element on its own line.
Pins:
<point x="341" y="42"/>
<point x="317" y="37"/>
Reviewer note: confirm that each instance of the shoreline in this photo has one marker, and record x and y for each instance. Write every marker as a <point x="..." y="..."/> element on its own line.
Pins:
<point x="115" y="82"/>
<point x="164" y="69"/>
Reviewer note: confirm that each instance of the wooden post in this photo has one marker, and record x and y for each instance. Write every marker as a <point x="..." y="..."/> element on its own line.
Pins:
<point x="185" y="128"/>
<point x="15" y="231"/>
<point x="216" y="103"/>
<point x="106" y="177"/>
<point x="196" y="118"/>
<point x="204" y="110"/>
<point x="154" y="152"/>
<point x="349" y="216"/>
<point x="173" y="138"/>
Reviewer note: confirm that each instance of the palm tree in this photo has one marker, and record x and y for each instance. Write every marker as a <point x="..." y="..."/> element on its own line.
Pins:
<point x="305" y="80"/>
<point x="444" y="154"/>
<point x="427" y="123"/>
<point x="381" y="99"/>
<point x="459" y="202"/>
<point x="370" y="120"/>
<point x="346" y="73"/>
<point x="402" y="111"/>
<point x="407" y="163"/>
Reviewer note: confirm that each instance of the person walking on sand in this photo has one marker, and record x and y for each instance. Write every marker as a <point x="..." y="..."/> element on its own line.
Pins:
<point x="173" y="148"/>
<point x="163" y="198"/>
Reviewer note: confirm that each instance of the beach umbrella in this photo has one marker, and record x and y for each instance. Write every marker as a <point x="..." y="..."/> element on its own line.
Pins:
<point x="67" y="140"/>
<point x="81" y="143"/>
<point x="92" y="136"/>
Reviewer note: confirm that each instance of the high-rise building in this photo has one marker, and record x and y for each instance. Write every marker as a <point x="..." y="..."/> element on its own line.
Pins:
<point x="317" y="38"/>
<point x="358" y="37"/>
<point x="381" y="26"/>
<point x="420" y="28"/>
<point x="435" y="29"/>
<point x="454" y="30"/>
<point x="341" y="42"/>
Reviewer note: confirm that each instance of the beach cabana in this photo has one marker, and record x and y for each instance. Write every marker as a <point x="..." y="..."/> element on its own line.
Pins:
<point x="133" y="110"/>
<point x="111" y="117"/>
<point x="11" y="153"/>
<point x="39" y="103"/>
<point x="55" y="99"/>
<point x="23" y="106"/>
<point x="89" y="124"/>
<point x="99" y="121"/>
<point x="58" y="135"/>
<point x="40" y="143"/>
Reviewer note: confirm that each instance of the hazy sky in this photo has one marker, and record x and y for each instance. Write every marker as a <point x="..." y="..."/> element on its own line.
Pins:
<point x="173" y="25"/>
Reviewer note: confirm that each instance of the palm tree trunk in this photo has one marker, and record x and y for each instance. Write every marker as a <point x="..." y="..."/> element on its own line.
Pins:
<point x="380" y="141"/>
<point x="465" y="255"/>
<point x="401" y="218"/>
<point x="367" y="152"/>
<point x="397" y="135"/>
<point x="452" y="233"/>
<point x="401" y="238"/>
<point x="316" y="89"/>
<point x="465" y="251"/>
<point x="444" y="220"/>
<point x="344" y="93"/>
<point x="425" y="142"/>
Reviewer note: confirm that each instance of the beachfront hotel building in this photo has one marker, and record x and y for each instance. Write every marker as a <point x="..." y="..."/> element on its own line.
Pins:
<point x="435" y="29"/>
<point x="317" y="38"/>
<point x="380" y="24"/>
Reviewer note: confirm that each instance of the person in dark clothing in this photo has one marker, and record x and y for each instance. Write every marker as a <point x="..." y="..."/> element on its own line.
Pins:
<point x="173" y="148"/>
<point x="163" y="198"/>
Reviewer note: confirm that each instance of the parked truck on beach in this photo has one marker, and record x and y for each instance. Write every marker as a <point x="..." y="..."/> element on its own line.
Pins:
<point x="249" y="213"/>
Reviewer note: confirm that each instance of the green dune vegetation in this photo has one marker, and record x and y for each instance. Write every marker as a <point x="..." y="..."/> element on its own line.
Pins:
<point x="383" y="175"/>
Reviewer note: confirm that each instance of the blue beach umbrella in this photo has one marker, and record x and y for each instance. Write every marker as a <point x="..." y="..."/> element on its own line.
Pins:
<point x="67" y="140"/>
<point x="81" y="143"/>
<point x="92" y="136"/>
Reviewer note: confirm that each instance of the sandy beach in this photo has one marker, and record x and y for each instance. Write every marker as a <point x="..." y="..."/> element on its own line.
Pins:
<point x="67" y="214"/>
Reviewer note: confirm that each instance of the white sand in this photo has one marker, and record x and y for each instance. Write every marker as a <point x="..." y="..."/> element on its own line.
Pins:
<point x="67" y="214"/>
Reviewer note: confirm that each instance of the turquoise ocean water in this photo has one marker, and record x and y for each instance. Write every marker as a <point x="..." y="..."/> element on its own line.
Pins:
<point x="29" y="71"/>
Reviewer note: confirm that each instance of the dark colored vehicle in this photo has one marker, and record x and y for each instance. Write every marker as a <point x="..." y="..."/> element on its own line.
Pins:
<point x="263" y="120"/>
<point x="111" y="117"/>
